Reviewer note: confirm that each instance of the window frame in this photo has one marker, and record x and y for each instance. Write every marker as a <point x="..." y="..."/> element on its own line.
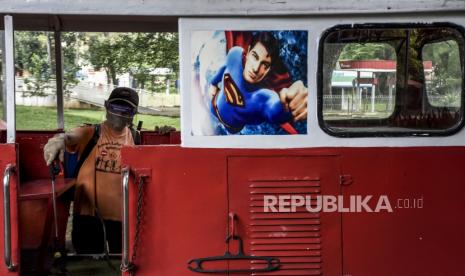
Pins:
<point x="410" y="133"/>
<point x="61" y="23"/>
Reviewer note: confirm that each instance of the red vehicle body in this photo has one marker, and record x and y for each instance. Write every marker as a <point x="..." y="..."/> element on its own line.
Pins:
<point x="198" y="188"/>
<point x="190" y="195"/>
<point x="190" y="192"/>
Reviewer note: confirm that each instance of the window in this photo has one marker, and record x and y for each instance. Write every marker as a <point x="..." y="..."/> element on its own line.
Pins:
<point x="443" y="75"/>
<point x="383" y="80"/>
<point x="362" y="84"/>
<point x="94" y="63"/>
<point x="35" y="80"/>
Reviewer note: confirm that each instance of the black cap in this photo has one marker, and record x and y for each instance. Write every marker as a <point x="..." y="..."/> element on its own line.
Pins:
<point x="124" y="94"/>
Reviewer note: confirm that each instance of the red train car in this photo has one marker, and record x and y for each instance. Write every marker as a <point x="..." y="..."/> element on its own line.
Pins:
<point x="373" y="186"/>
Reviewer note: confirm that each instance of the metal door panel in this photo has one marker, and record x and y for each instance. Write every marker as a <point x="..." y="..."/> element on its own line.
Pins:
<point x="306" y="243"/>
<point x="185" y="207"/>
<point x="189" y="193"/>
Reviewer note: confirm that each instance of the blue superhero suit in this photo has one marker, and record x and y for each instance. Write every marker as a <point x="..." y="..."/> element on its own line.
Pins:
<point x="239" y="103"/>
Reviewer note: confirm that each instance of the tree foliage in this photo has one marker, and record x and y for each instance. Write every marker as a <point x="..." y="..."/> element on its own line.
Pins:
<point x="445" y="57"/>
<point x="105" y="51"/>
<point x="33" y="60"/>
<point x="368" y="51"/>
<point x="135" y="53"/>
<point x="117" y="53"/>
<point x="71" y="43"/>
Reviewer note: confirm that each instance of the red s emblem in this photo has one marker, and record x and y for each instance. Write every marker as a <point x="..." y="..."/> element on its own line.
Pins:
<point x="232" y="92"/>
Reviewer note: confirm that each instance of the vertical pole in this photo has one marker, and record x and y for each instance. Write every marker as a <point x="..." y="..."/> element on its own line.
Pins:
<point x="390" y="97"/>
<point x="7" y="218"/>
<point x="359" y="91"/>
<point x="350" y="101"/>
<point x="167" y="91"/>
<point x="373" y="94"/>
<point x="10" y="80"/>
<point x="352" y="98"/>
<point x="125" y="184"/>
<point x="59" y="75"/>
<point x="342" y="98"/>
<point x="2" y="43"/>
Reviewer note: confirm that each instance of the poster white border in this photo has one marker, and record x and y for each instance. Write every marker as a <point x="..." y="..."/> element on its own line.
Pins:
<point x="187" y="27"/>
<point x="315" y="137"/>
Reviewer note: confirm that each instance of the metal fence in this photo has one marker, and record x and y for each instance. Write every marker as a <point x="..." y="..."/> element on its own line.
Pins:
<point x="92" y="94"/>
<point x="356" y="104"/>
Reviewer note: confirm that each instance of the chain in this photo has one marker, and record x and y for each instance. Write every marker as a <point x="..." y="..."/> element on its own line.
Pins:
<point x="140" y="204"/>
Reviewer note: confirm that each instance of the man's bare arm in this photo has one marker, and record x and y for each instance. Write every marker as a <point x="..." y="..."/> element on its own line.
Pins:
<point x="73" y="137"/>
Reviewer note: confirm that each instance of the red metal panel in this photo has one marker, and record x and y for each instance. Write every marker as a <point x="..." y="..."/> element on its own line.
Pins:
<point x="426" y="241"/>
<point x="154" y="138"/>
<point x="319" y="234"/>
<point x="8" y="156"/>
<point x="36" y="219"/>
<point x="185" y="207"/>
<point x="30" y="151"/>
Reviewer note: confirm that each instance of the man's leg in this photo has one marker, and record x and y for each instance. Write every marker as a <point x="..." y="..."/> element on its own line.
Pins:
<point x="114" y="235"/>
<point x="87" y="235"/>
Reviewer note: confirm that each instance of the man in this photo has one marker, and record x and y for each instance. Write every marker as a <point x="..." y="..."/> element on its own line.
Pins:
<point x="98" y="188"/>
<point x="242" y="98"/>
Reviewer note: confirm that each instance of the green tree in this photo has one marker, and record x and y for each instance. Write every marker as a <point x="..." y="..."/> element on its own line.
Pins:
<point x="446" y="78"/>
<point x="33" y="57"/>
<point x="71" y="44"/>
<point x="137" y="52"/>
<point x="107" y="51"/>
<point x="153" y="50"/>
<point x="134" y="53"/>
<point x="368" y="51"/>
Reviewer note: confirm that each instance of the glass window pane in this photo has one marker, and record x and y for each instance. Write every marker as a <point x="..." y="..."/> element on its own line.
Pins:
<point x="95" y="63"/>
<point x="35" y="84"/>
<point x="389" y="81"/>
<point x="443" y="73"/>
<point x="362" y="82"/>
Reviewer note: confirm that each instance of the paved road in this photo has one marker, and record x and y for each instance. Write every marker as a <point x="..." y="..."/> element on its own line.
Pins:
<point x="94" y="96"/>
<point x="98" y="95"/>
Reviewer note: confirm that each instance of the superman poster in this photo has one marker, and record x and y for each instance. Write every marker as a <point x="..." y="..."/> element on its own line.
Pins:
<point x="248" y="82"/>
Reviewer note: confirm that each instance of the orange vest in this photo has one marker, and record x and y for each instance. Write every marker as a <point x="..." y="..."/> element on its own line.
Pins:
<point x="99" y="180"/>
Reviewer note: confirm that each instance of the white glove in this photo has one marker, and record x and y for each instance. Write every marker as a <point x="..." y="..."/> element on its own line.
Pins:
<point x="55" y="146"/>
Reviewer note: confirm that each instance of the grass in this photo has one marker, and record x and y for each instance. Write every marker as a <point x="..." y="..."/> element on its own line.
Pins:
<point x="44" y="118"/>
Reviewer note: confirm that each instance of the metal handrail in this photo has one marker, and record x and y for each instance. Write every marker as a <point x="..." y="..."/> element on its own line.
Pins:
<point x="125" y="256"/>
<point x="7" y="217"/>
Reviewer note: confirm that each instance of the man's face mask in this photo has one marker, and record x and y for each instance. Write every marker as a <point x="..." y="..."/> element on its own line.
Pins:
<point x="120" y="115"/>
